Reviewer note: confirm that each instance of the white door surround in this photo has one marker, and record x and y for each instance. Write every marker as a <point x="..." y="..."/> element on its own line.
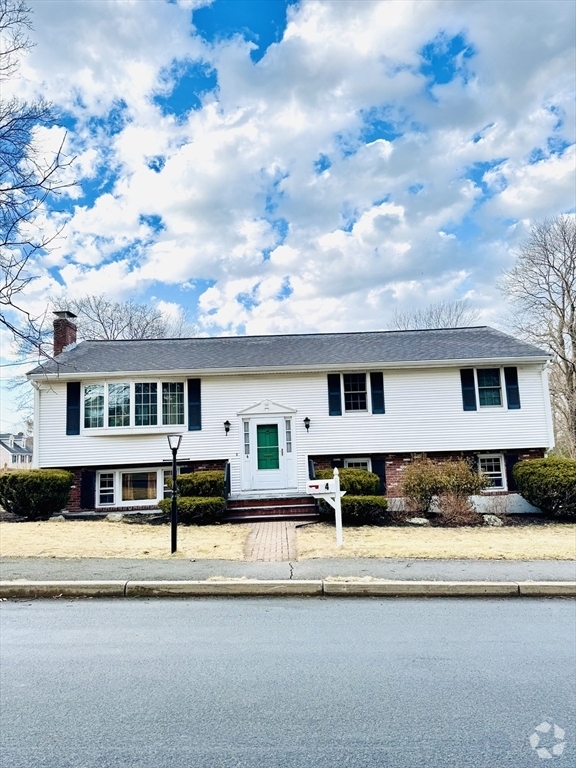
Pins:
<point x="266" y="466"/>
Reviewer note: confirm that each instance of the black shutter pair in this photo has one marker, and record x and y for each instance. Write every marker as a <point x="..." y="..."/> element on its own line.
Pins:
<point x="335" y="393"/>
<point x="469" y="388"/>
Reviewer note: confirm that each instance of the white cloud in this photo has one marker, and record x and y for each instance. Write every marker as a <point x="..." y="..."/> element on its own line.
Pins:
<point x="391" y="222"/>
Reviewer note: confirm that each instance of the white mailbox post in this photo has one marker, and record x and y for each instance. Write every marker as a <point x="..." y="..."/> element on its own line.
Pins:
<point x="330" y="491"/>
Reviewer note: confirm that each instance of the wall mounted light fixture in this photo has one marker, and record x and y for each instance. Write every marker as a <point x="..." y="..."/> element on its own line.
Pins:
<point x="307" y="423"/>
<point x="226" y="426"/>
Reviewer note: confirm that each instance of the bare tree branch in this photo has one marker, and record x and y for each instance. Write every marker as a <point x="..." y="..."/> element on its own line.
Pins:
<point x="99" y="318"/>
<point x="542" y="289"/>
<point x="444" y="314"/>
<point x="28" y="177"/>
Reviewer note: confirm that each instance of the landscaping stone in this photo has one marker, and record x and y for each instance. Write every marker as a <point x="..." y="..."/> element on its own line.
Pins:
<point x="114" y="517"/>
<point x="418" y="521"/>
<point x="493" y="520"/>
<point x="57" y="519"/>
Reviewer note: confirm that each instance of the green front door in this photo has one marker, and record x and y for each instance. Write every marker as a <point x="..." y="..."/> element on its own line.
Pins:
<point x="267" y="444"/>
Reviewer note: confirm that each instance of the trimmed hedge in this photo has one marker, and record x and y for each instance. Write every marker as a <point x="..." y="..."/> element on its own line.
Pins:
<point x="35" y="494"/>
<point x="202" y="483"/>
<point x="356" y="482"/>
<point x="196" y="510"/>
<point x="359" y="510"/>
<point x="549" y="484"/>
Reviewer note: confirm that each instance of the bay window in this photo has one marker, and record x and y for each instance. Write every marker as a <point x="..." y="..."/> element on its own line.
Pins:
<point x="133" y="404"/>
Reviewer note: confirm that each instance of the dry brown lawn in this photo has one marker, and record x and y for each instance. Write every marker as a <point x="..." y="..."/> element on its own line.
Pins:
<point x="539" y="542"/>
<point x="81" y="538"/>
<point x="227" y="542"/>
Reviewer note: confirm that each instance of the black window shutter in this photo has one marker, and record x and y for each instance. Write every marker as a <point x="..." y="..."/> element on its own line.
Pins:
<point x="194" y="405"/>
<point x="379" y="468"/>
<point x="73" y="408"/>
<point x="88" y="490"/>
<point x="377" y="387"/>
<point x="334" y="395"/>
<point x="510" y="459"/>
<point x="468" y="389"/>
<point x="512" y="389"/>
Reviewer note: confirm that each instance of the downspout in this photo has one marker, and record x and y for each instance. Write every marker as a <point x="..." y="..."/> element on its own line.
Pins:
<point x="548" y="408"/>
<point x="36" y="428"/>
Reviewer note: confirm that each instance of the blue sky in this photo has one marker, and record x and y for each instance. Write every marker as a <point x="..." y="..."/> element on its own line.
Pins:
<point x="275" y="167"/>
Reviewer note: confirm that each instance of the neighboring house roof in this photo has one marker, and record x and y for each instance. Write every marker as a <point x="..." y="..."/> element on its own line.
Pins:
<point x="15" y="449"/>
<point x="289" y="351"/>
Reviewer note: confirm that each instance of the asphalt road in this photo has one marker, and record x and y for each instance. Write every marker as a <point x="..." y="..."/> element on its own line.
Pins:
<point x="287" y="683"/>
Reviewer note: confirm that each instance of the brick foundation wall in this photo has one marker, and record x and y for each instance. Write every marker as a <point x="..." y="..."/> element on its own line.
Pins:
<point x="75" y="491"/>
<point x="396" y="463"/>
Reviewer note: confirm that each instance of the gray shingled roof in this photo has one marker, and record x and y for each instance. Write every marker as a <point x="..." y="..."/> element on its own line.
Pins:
<point x="322" y="349"/>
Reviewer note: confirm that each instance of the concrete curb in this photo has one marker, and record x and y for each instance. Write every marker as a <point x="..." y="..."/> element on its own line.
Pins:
<point x="540" y="588"/>
<point x="231" y="587"/>
<point x="62" y="589"/>
<point x="254" y="587"/>
<point x="390" y="588"/>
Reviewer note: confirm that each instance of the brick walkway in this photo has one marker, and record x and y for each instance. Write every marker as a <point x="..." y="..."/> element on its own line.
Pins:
<point x="273" y="542"/>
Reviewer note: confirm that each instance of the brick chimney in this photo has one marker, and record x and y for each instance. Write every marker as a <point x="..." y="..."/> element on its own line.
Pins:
<point x="64" y="331"/>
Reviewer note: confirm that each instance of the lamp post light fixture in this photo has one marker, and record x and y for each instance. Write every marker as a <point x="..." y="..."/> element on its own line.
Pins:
<point x="174" y="443"/>
<point x="226" y="427"/>
<point x="307" y="423"/>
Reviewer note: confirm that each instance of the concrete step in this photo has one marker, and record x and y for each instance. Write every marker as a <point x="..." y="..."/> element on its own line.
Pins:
<point x="301" y="517"/>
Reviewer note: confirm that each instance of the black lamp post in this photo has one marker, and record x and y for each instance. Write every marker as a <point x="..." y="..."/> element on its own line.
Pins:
<point x="174" y="443"/>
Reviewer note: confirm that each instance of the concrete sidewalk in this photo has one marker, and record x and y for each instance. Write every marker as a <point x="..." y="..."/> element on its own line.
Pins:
<point x="176" y="569"/>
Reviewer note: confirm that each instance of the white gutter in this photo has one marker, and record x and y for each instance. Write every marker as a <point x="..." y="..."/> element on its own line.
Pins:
<point x="322" y="368"/>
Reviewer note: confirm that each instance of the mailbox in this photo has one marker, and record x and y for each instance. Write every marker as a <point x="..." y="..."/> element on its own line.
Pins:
<point x="320" y="486"/>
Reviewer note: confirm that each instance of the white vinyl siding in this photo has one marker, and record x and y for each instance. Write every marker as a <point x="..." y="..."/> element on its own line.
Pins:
<point x="423" y="414"/>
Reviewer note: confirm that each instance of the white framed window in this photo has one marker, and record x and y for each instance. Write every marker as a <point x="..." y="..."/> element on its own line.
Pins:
<point x="493" y="466"/>
<point x="489" y="386"/>
<point x="14" y="458"/>
<point x="355" y="392"/>
<point x="361" y="463"/>
<point x="288" y="424"/>
<point x="246" y="438"/>
<point x="133" y="404"/>
<point x="139" y="485"/>
<point x="132" y="487"/>
<point x="105" y="488"/>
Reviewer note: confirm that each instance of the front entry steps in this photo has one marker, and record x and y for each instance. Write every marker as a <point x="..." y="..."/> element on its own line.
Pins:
<point x="299" y="508"/>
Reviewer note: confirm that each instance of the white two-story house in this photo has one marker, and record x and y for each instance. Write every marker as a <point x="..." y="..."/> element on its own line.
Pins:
<point x="269" y="408"/>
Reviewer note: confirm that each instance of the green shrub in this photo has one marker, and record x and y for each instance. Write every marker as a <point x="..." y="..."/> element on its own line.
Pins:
<point x="359" y="510"/>
<point x="423" y="480"/>
<point x="356" y="482"/>
<point x="202" y="483"/>
<point x="549" y="484"/>
<point x="196" y="510"/>
<point x="420" y="483"/>
<point x="35" y="493"/>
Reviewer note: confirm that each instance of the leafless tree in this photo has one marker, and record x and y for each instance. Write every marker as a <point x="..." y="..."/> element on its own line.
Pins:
<point x="542" y="288"/>
<point x="444" y="314"/>
<point x="28" y="177"/>
<point x="99" y="318"/>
